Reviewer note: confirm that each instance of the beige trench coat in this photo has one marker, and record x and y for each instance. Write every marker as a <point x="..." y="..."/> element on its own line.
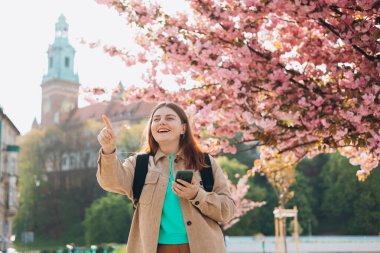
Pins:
<point x="201" y="215"/>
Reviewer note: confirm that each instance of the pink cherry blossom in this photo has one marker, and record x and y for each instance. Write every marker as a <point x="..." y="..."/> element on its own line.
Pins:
<point x="298" y="76"/>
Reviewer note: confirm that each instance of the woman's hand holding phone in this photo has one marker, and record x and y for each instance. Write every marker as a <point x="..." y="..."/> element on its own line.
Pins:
<point x="185" y="189"/>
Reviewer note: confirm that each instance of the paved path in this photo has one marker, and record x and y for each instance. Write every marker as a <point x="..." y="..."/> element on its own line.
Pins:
<point x="314" y="244"/>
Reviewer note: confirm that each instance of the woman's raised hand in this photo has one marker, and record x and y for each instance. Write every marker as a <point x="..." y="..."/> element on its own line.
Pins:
<point x="106" y="137"/>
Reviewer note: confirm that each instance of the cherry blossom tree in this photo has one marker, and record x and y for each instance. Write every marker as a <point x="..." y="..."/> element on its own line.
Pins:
<point x="300" y="76"/>
<point x="243" y="205"/>
<point x="280" y="170"/>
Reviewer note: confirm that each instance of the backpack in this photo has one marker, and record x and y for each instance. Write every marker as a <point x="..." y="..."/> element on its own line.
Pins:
<point x="141" y="169"/>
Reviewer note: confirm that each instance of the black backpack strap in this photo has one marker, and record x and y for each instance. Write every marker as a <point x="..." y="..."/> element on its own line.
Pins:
<point x="208" y="182"/>
<point x="141" y="169"/>
<point x="206" y="174"/>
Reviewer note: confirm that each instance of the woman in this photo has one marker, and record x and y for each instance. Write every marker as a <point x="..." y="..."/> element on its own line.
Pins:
<point x="171" y="217"/>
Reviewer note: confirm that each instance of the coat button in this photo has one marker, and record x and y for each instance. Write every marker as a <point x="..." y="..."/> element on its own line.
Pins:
<point x="188" y="223"/>
<point x="196" y="202"/>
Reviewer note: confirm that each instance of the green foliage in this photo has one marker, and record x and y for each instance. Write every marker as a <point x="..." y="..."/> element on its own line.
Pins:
<point x="30" y="169"/>
<point x="245" y="155"/>
<point x="253" y="221"/>
<point x="304" y="201"/>
<point x="232" y="167"/>
<point x="352" y="207"/>
<point x="108" y="219"/>
<point x="259" y="220"/>
<point x="312" y="169"/>
<point x="130" y="139"/>
<point x="50" y="205"/>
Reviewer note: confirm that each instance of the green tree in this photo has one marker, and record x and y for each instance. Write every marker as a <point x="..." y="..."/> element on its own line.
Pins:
<point x="30" y="171"/>
<point x="312" y="170"/>
<point x="108" y="219"/>
<point x="349" y="206"/>
<point x="232" y="167"/>
<point x="49" y="203"/>
<point x="246" y="153"/>
<point x="130" y="138"/>
<point x="261" y="220"/>
<point x="251" y="222"/>
<point x="303" y="199"/>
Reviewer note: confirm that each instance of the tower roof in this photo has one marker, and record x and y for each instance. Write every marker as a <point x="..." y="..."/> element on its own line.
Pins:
<point x="62" y="19"/>
<point x="61" y="55"/>
<point x="61" y="33"/>
<point x="35" y="123"/>
<point x="61" y="24"/>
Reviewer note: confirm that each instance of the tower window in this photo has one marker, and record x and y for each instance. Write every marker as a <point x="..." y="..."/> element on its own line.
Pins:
<point x="50" y="62"/>
<point x="67" y="62"/>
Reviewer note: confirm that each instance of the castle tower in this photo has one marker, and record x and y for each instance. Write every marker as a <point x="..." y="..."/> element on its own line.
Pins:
<point x="60" y="86"/>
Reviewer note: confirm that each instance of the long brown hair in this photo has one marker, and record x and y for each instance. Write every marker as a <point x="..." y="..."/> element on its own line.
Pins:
<point x="193" y="155"/>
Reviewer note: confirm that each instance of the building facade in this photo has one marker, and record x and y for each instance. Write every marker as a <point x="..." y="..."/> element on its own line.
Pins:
<point x="8" y="177"/>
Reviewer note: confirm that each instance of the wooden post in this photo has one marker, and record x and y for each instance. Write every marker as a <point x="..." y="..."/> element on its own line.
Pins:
<point x="285" y="248"/>
<point x="276" y="232"/>
<point x="280" y="216"/>
<point x="296" y="229"/>
<point x="281" y="235"/>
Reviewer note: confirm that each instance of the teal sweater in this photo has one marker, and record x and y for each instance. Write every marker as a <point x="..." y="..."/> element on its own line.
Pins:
<point x="172" y="228"/>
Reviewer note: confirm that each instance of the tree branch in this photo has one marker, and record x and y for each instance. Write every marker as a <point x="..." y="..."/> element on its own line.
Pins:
<point x="297" y="146"/>
<point x="357" y="48"/>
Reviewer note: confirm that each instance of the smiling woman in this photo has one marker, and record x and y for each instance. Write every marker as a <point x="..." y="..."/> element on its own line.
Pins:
<point x="171" y="216"/>
<point x="167" y="128"/>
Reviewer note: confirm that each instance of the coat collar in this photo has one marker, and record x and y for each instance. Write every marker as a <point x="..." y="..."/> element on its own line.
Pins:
<point x="159" y="154"/>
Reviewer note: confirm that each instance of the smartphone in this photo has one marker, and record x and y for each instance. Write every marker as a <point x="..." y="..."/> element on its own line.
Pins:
<point x="185" y="175"/>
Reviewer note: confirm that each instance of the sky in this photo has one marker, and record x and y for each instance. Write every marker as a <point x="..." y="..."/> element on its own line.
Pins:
<point x="27" y="29"/>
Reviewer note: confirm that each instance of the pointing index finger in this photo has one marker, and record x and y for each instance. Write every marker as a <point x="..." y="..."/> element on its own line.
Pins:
<point x="107" y="122"/>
